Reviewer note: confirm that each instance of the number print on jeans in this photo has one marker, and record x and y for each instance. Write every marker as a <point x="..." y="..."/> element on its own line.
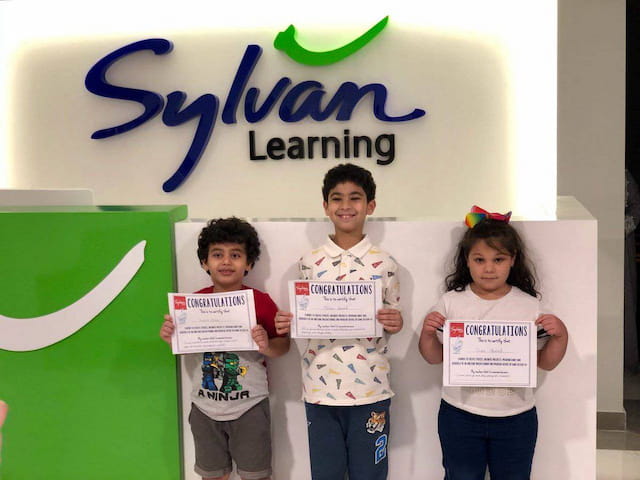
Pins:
<point x="381" y="450"/>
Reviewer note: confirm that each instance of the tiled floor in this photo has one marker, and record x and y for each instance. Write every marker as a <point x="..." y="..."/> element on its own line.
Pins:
<point x="618" y="454"/>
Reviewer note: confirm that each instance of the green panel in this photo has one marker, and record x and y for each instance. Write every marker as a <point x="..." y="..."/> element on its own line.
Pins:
<point x="103" y="403"/>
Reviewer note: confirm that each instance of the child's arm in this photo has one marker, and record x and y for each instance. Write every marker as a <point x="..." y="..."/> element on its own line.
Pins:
<point x="269" y="347"/>
<point x="167" y="328"/>
<point x="553" y="352"/>
<point x="429" y="345"/>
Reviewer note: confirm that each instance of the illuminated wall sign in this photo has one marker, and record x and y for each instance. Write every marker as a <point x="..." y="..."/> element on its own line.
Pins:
<point x="483" y="73"/>
<point x="296" y="102"/>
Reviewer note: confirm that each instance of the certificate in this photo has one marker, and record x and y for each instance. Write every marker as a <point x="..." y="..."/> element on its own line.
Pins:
<point x="335" y="309"/>
<point x="485" y="353"/>
<point x="212" y="322"/>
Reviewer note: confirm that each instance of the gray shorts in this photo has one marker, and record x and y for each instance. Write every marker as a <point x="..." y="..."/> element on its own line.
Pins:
<point x="246" y="440"/>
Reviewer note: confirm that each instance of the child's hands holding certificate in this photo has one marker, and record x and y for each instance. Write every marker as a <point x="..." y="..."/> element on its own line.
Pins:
<point x="391" y="319"/>
<point x="433" y="323"/>
<point x="283" y="322"/>
<point x="167" y="328"/>
<point x="260" y="336"/>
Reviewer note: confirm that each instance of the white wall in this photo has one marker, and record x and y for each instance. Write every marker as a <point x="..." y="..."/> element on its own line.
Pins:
<point x="564" y="252"/>
<point x="591" y="129"/>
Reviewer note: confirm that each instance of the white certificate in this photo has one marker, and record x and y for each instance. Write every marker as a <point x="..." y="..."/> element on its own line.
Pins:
<point x="335" y="309"/>
<point x="212" y="322"/>
<point x="486" y="353"/>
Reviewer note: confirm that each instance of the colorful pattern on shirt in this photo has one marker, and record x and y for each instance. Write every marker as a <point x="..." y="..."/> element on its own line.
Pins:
<point x="349" y="371"/>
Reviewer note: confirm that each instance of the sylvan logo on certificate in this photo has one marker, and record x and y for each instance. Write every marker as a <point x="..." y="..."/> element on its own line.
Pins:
<point x="179" y="303"/>
<point x="456" y="330"/>
<point x="302" y="288"/>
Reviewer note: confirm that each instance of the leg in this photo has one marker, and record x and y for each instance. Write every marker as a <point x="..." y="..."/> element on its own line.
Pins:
<point x="212" y="455"/>
<point x="513" y="441"/>
<point x="464" y="443"/>
<point x="250" y="442"/>
<point x="327" y="448"/>
<point x="367" y="440"/>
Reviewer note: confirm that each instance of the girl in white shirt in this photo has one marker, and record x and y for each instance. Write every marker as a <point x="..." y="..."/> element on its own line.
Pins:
<point x="482" y="427"/>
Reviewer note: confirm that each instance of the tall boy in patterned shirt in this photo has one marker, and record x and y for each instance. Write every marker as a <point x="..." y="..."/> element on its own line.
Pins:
<point x="346" y="381"/>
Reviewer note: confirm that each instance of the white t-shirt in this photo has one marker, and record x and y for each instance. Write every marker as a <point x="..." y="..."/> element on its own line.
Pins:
<point x="466" y="305"/>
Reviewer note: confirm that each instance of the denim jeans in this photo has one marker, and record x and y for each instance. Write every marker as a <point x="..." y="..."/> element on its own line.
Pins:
<point x="471" y="442"/>
<point x="349" y="440"/>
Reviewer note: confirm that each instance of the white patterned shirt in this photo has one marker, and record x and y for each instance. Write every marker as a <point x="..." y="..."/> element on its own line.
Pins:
<point x="353" y="371"/>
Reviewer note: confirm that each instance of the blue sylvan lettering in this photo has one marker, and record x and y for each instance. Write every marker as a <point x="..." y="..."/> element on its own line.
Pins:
<point x="295" y="103"/>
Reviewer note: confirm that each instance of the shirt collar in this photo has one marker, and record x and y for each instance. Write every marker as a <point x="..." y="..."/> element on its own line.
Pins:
<point x="358" y="250"/>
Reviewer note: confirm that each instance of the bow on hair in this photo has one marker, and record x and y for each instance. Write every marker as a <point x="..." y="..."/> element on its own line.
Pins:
<point x="476" y="214"/>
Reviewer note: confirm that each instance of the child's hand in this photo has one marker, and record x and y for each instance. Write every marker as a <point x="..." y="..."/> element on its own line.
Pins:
<point x="552" y="325"/>
<point x="433" y="322"/>
<point x="391" y="319"/>
<point x="4" y="408"/>
<point x="283" y="322"/>
<point x="167" y="329"/>
<point x="260" y="336"/>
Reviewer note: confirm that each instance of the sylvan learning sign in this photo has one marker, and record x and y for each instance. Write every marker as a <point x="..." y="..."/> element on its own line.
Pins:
<point x="246" y="120"/>
<point x="295" y="102"/>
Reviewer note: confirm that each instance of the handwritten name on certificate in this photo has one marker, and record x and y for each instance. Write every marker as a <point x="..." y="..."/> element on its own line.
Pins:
<point x="485" y="353"/>
<point x="335" y="309"/>
<point x="212" y="322"/>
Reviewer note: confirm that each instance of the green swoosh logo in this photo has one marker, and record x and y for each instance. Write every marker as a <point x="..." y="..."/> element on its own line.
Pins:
<point x="287" y="42"/>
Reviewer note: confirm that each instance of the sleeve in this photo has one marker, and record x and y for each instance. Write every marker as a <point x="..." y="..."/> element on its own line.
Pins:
<point x="304" y="270"/>
<point x="391" y="286"/>
<point x="266" y="313"/>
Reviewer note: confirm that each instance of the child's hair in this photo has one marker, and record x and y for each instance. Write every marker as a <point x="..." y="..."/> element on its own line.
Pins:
<point x="503" y="237"/>
<point x="229" y="230"/>
<point x="348" y="172"/>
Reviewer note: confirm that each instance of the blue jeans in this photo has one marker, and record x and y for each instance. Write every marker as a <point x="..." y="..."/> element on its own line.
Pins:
<point x="471" y="442"/>
<point x="348" y="439"/>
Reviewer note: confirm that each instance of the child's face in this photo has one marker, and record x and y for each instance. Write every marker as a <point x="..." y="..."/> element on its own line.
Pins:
<point x="347" y="207"/>
<point x="226" y="263"/>
<point x="489" y="270"/>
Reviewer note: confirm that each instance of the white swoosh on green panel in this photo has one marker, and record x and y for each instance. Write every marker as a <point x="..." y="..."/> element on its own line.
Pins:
<point x="25" y="334"/>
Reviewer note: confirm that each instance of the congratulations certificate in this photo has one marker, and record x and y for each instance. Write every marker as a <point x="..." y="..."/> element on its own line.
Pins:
<point x="335" y="309"/>
<point x="485" y="353"/>
<point x="212" y="322"/>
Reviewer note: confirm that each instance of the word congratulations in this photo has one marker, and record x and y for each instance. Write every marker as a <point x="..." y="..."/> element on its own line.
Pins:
<point x="206" y="302"/>
<point x="330" y="289"/>
<point x="507" y="330"/>
<point x="293" y="103"/>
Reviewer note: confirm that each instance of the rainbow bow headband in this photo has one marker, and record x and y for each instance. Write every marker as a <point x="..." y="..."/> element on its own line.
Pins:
<point x="476" y="214"/>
